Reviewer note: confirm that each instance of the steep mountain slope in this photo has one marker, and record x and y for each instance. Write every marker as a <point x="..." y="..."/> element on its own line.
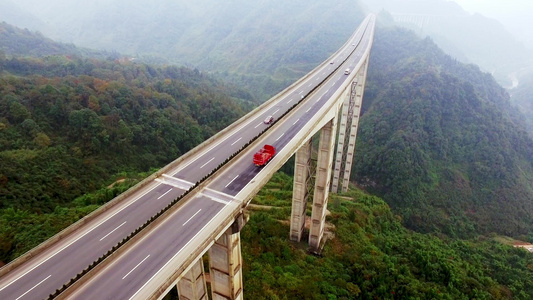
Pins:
<point x="77" y="121"/>
<point x="370" y="255"/>
<point x="440" y="142"/>
<point x="265" y="45"/>
<point x="16" y="41"/>
<point x="472" y="38"/>
<point x="69" y="125"/>
<point x="522" y="97"/>
<point x="12" y="13"/>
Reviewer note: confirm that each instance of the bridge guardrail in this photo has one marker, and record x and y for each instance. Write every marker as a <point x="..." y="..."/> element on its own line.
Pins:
<point x="112" y="203"/>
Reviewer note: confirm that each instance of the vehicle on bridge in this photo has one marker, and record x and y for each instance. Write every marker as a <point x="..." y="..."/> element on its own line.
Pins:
<point x="263" y="156"/>
<point x="269" y="120"/>
<point x="347" y="71"/>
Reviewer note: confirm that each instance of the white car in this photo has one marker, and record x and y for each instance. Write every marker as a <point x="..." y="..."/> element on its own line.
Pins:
<point x="332" y="62"/>
<point x="269" y="120"/>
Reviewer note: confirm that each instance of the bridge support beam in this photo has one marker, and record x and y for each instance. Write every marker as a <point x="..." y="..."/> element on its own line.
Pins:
<point x="192" y="286"/>
<point x="349" y="122"/>
<point x="322" y="182"/>
<point x="225" y="267"/>
<point x="300" y="192"/>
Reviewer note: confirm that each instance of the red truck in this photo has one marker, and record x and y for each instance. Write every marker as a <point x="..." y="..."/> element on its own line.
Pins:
<point x="264" y="155"/>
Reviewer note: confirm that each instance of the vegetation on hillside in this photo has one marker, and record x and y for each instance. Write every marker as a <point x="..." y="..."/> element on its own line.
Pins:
<point x="522" y="97"/>
<point x="69" y="124"/>
<point x="461" y="34"/>
<point x="23" y="42"/>
<point x="440" y="142"/>
<point x="23" y="229"/>
<point x="372" y="256"/>
<point x="263" y="45"/>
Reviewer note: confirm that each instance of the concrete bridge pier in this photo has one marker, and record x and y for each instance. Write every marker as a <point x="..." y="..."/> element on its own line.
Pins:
<point x="322" y="183"/>
<point x="225" y="264"/>
<point x="349" y="123"/>
<point x="300" y="191"/>
<point x="192" y="286"/>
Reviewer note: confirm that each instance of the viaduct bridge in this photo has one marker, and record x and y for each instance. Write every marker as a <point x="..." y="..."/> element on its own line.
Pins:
<point x="145" y="242"/>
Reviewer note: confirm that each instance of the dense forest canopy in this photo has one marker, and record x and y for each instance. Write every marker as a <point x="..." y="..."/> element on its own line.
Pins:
<point x="438" y="141"/>
<point x="79" y="120"/>
<point x="522" y="97"/>
<point x="69" y="125"/>
<point x="469" y="37"/>
<point x="441" y="143"/>
<point x="370" y="255"/>
<point x="23" y="42"/>
<point x="263" y="45"/>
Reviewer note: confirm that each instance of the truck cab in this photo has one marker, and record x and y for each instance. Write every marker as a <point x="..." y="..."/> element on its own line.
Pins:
<point x="263" y="156"/>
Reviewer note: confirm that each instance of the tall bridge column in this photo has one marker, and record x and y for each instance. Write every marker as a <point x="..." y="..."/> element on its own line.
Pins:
<point x="299" y="190"/>
<point x="225" y="264"/>
<point x="351" y="110"/>
<point x="192" y="286"/>
<point x="323" y="175"/>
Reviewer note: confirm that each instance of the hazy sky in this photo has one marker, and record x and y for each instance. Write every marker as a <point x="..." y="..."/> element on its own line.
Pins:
<point x="494" y="8"/>
<point x="516" y="15"/>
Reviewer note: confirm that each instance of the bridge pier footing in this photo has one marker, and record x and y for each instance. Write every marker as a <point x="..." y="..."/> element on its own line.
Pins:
<point x="192" y="286"/>
<point x="300" y="191"/>
<point x="322" y="182"/>
<point x="225" y="264"/>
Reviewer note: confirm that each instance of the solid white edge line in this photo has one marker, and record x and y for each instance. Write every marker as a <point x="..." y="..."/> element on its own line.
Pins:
<point x="89" y="231"/>
<point x="112" y="231"/>
<point x="207" y="162"/>
<point x="232" y="181"/>
<point x="33" y="287"/>
<point x="164" y="194"/>
<point x="191" y="217"/>
<point x="80" y="238"/>
<point x="135" y="267"/>
<point x="245" y="124"/>
<point x="177" y="253"/>
<point x="237" y="141"/>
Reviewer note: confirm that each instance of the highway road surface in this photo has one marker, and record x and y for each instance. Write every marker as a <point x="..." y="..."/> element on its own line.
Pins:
<point x="48" y="271"/>
<point x="148" y="257"/>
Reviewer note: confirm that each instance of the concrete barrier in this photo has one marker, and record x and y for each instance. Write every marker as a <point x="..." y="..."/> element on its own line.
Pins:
<point x="109" y="205"/>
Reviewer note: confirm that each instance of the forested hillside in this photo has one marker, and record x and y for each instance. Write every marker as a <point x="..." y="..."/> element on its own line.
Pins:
<point x="263" y="45"/>
<point x="522" y="97"/>
<point x="20" y="42"/>
<point x="70" y="125"/>
<point x="372" y="256"/>
<point x="440" y="142"/>
<point x="471" y="38"/>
